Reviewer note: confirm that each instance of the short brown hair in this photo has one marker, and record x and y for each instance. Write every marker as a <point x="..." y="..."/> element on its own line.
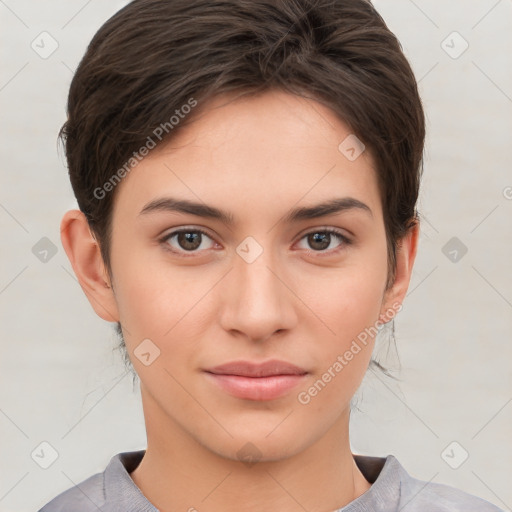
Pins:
<point x="149" y="59"/>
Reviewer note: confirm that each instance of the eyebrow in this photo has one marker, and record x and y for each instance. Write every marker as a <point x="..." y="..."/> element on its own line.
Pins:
<point x="330" y="207"/>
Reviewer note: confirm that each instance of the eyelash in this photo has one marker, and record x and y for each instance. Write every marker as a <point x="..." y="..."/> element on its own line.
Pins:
<point x="345" y="240"/>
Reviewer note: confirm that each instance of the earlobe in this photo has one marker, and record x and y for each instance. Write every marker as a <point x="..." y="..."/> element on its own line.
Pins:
<point x="405" y="257"/>
<point x="84" y="255"/>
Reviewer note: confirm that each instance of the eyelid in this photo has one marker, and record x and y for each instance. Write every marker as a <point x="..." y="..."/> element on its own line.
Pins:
<point x="345" y="239"/>
<point x="180" y="229"/>
<point x="164" y="239"/>
<point x="330" y="229"/>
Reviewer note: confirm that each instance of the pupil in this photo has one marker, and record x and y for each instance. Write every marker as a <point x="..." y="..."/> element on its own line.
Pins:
<point x="322" y="238"/>
<point x="188" y="239"/>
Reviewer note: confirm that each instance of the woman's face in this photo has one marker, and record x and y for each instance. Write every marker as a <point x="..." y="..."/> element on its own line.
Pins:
<point x="271" y="284"/>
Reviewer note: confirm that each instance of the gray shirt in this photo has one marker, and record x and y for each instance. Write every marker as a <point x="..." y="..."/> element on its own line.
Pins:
<point x="392" y="489"/>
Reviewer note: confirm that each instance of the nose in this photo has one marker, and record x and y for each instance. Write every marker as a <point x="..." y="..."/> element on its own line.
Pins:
<point x="256" y="298"/>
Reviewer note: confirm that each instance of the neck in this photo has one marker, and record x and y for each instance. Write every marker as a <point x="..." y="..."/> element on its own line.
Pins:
<point x="178" y="473"/>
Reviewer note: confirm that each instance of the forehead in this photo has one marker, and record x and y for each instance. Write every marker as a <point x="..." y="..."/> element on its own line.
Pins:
<point x="254" y="152"/>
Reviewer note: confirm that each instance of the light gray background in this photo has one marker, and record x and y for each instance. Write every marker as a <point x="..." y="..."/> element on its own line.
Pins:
<point x="61" y="381"/>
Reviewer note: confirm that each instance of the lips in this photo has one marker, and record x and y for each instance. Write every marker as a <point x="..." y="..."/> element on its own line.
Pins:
<point x="251" y="381"/>
<point x="266" y="369"/>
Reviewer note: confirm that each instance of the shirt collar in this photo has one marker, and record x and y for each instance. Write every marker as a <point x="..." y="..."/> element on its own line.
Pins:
<point x="121" y="493"/>
<point x="384" y="473"/>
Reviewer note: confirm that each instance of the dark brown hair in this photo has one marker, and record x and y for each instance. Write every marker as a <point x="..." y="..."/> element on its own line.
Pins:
<point x="154" y="57"/>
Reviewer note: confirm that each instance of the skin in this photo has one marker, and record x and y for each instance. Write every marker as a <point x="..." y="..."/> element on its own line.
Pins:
<point x="257" y="158"/>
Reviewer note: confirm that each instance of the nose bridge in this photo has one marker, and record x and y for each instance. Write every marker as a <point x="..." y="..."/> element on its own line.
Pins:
<point x="256" y="302"/>
<point x="258" y="286"/>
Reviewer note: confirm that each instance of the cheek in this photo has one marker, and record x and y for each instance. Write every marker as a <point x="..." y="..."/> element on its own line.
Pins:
<point x="159" y="301"/>
<point x="154" y="302"/>
<point x="347" y="300"/>
<point x="350" y="308"/>
<point x="352" y="315"/>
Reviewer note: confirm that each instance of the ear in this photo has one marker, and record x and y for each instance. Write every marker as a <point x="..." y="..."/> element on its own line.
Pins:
<point x="405" y="256"/>
<point x="84" y="254"/>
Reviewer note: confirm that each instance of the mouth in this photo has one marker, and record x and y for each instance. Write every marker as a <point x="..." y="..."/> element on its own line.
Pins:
<point x="265" y="381"/>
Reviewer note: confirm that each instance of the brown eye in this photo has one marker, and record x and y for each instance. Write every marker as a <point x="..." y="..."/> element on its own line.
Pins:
<point x="187" y="240"/>
<point x="320" y="241"/>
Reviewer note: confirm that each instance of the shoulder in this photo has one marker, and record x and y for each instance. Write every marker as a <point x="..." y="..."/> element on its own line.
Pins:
<point x="111" y="490"/>
<point x="393" y="489"/>
<point x="87" y="496"/>
<point x="421" y="496"/>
